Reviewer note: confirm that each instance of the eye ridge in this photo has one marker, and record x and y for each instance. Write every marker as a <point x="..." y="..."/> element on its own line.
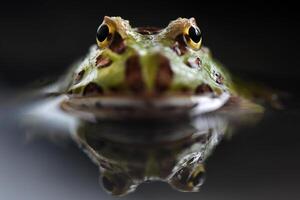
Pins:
<point x="102" y="33"/>
<point x="195" y="34"/>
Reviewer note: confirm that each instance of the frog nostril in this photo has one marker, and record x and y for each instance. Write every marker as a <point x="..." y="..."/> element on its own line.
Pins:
<point x="79" y="76"/>
<point x="194" y="63"/>
<point x="133" y="74"/>
<point x="164" y="74"/>
<point x="102" y="62"/>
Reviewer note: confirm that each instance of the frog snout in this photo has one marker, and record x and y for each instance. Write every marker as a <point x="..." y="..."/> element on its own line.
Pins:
<point x="149" y="73"/>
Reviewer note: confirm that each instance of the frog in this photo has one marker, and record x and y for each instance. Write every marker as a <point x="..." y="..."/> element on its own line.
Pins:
<point x="148" y="72"/>
<point x="137" y="104"/>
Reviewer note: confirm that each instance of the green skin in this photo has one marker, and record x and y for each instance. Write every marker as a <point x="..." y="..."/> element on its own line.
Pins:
<point x="193" y="81"/>
<point x="148" y="47"/>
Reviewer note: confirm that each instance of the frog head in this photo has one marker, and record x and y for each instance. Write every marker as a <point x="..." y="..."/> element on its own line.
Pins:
<point x="148" y="62"/>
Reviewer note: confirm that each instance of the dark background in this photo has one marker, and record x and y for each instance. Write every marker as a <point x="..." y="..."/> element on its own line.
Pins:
<point x="255" y="39"/>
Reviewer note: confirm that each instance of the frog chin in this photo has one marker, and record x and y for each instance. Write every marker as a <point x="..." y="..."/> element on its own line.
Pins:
<point x="130" y="107"/>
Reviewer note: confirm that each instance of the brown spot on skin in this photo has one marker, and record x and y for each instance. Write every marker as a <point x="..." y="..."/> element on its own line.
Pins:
<point x="92" y="89"/>
<point x="203" y="88"/>
<point x="194" y="63"/>
<point x="117" y="45"/>
<point x="179" y="46"/>
<point x="133" y="74"/>
<point x="79" y="77"/>
<point x="148" y="30"/>
<point x="102" y="62"/>
<point x="164" y="74"/>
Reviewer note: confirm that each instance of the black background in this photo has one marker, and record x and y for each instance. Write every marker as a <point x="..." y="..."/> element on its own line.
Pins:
<point x="258" y="40"/>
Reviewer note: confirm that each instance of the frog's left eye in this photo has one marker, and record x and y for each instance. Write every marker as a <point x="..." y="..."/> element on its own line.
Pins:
<point x="193" y="37"/>
<point x="104" y="35"/>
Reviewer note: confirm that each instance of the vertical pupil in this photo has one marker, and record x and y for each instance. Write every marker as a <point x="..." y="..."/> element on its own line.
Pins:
<point x="195" y="34"/>
<point x="102" y="32"/>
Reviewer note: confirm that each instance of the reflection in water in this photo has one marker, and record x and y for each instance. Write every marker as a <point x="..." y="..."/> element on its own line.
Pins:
<point x="130" y="153"/>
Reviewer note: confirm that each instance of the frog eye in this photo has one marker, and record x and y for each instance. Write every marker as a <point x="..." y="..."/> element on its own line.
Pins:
<point x="198" y="176"/>
<point x="189" y="178"/>
<point x="104" y="35"/>
<point x="193" y="37"/>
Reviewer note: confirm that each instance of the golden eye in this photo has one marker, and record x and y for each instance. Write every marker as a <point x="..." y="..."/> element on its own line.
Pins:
<point x="197" y="177"/>
<point x="104" y="35"/>
<point x="193" y="37"/>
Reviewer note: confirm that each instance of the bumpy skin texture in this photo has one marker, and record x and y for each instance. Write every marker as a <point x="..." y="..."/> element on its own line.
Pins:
<point x="149" y="61"/>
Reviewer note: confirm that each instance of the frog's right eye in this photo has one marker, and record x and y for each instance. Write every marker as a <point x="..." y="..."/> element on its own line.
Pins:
<point x="193" y="37"/>
<point x="104" y="35"/>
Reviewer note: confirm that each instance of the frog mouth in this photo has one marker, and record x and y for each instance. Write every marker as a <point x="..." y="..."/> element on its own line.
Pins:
<point x="131" y="107"/>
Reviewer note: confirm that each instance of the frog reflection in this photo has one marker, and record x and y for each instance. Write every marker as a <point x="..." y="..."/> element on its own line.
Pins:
<point x="129" y="153"/>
